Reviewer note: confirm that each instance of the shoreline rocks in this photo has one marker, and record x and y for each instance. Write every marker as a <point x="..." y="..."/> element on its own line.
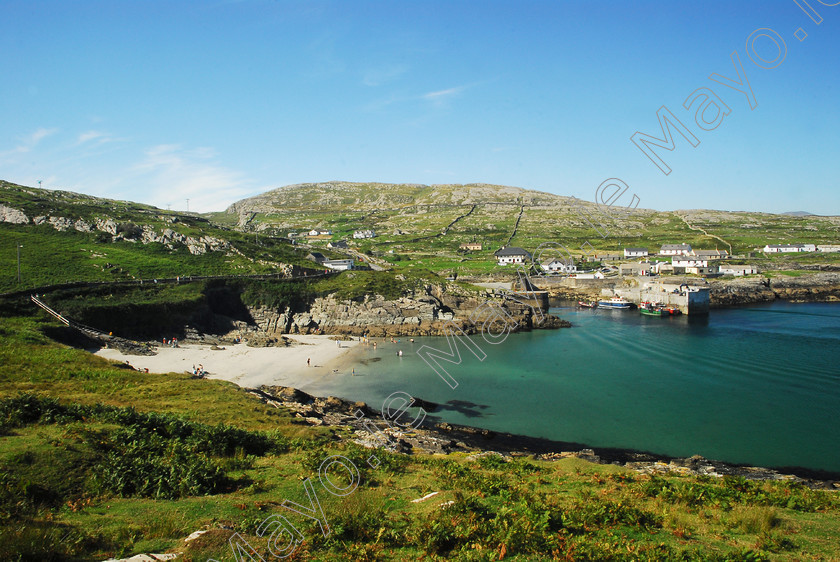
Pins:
<point x="426" y="314"/>
<point x="437" y="437"/>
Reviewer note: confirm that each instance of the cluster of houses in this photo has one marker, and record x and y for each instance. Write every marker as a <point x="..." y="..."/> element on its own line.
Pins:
<point x="321" y="234"/>
<point x="792" y="248"/>
<point x="684" y="259"/>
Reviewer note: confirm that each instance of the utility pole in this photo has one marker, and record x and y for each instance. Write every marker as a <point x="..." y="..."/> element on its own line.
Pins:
<point x="39" y="183"/>
<point x="19" y="246"/>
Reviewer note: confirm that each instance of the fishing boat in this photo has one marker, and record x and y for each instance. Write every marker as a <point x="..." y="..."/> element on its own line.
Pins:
<point x="615" y="302"/>
<point x="673" y="311"/>
<point x="588" y="304"/>
<point x="652" y="309"/>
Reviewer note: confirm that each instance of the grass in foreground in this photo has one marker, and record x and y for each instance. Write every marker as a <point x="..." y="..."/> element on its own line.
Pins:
<point x="99" y="461"/>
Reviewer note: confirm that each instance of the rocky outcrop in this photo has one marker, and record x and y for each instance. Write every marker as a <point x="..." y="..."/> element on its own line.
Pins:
<point x="811" y="287"/>
<point x="14" y="216"/>
<point x="145" y="234"/>
<point x="427" y="314"/>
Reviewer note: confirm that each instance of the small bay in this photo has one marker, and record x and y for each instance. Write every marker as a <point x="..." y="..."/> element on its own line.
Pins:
<point x="758" y="385"/>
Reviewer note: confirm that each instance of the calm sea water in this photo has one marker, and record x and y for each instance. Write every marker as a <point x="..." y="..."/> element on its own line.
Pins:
<point x="757" y="385"/>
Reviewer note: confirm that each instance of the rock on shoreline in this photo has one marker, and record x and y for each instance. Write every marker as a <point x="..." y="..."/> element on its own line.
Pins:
<point x="435" y="437"/>
<point x="416" y="315"/>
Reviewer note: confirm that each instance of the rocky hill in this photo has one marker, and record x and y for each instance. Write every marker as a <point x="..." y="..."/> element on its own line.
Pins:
<point x="426" y="224"/>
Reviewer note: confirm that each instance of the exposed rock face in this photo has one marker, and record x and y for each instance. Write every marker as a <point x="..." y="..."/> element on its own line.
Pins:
<point x="14" y="216"/>
<point x="60" y="223"/>
<point x="417" y="315"/>
<point x="824" y="287"/>
<point x="145" y="234"/>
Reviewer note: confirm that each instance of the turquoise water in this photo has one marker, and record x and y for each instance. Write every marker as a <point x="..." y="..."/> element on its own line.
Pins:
<point x="757" y="385"/>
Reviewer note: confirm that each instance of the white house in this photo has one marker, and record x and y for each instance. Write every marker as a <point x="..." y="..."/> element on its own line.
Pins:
<point x="339" y="265"/>
<point x="364" y="234"/>
<point x="596" y="275"/>
<point x="689" y="261"/>
<point x="635" y="252"/>
<point x="511" y="254"/>
<point x="675" y="250"/>
<point x="828" y="248"/>
<point x="555" y="265"/>
<point x="788" y="248"/>
<point x="738" y="270"/>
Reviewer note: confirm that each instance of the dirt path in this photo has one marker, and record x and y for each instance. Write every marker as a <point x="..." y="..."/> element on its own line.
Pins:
<point x="706" y="233"/>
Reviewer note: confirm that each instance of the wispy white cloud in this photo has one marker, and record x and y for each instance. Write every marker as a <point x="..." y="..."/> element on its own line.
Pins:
<point x="383" y="74"/>
<point x="98" y="136"/>
<point x="170" y="174"/>
<point x="443" y="95"/>
<point x="39" y="135"/>
<point x="27" y="143"/>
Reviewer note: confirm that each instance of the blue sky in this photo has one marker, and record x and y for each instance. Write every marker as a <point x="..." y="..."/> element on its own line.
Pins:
<point x="218" y="100"/>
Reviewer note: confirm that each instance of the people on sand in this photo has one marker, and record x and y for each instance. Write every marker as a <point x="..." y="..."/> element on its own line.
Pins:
<point x="307" y="361"/>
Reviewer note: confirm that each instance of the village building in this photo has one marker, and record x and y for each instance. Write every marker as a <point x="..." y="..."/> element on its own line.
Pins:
<point x="738" y="270"/>
<point x="662" y="268"/>
<point x="338" y="244"/>
<point x="604" y="257"/>
<point x="318" y="233"/>
<point x="635" y="252"/>
<point x="675" y="250"/>
<point x="317" y="257"/>
<point x="693" y="264"/>
<point x="360" y="234"/>
<point x="689" y="261"/>
<point x="555" y="265"/>
<point x="510" y="255"/>
<point x="711" y="254"/>
<point x="788" y="248"/>
<point x="635" y="268"/>
<point x="828" y="248"/>
<point x="471" y="246"/>
<point x="339" y="265"/>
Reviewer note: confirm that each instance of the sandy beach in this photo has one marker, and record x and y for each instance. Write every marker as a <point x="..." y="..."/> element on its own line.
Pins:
<point x="253" y="366"/>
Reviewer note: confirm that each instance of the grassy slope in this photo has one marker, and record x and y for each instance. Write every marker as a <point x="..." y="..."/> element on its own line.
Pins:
<point x="49" y="256"/>
<point x="422" y="213"/>
<point x="527" y="510"/>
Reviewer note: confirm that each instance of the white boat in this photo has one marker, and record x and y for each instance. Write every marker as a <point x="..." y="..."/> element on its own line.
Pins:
<point x="615" y="302"/>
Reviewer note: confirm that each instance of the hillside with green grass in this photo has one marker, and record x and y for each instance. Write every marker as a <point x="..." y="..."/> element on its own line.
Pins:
<point x="74" y="237"/>
<point x="68" y="237"/>
<point x="97" y="460"/>
<point x="423" y="226"/>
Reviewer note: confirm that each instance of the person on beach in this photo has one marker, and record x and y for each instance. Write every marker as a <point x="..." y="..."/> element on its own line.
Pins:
<point x="307" y="361"/>
<point x="354" y="371"/>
